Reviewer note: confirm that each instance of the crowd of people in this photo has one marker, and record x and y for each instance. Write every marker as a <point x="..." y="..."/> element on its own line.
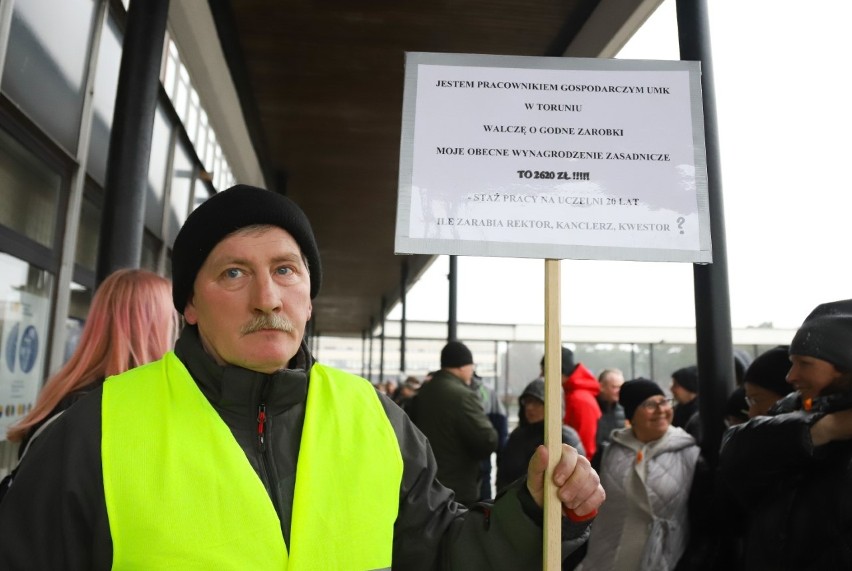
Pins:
<point x="785" y="457"/>
<point x="226" y="444"/>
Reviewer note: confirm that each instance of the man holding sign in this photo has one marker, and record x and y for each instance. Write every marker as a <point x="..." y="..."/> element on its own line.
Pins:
<point x="240" y="451"/>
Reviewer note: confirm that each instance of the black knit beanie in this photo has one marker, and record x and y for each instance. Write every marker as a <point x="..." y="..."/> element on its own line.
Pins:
<point x="455" y="354"/>
<point x="687" y="377"/>
<point x="827" y="334"/>
<point x="769" y="370"/>
<point x="567" y="361"/>
<point x="226" y="212"/>
<point x="635" y="392"/>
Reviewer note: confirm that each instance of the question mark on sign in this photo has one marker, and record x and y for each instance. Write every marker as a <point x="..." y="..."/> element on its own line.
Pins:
<point x="680" y="221"/>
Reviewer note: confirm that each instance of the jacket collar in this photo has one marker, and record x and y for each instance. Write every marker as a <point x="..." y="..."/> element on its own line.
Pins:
<point x="242" y="390"/>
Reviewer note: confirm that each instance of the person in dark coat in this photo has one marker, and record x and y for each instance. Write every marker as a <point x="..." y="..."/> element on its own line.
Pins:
<point x="529" y="435"/>
<point x="522" y="443"/>
<point x="685" y="393"/>
<point x="450" y="414"/>
<point x="791" y="471"/>
<point x="612" y="413"/>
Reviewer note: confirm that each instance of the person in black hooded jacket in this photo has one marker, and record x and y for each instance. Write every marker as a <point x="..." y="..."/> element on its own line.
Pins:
<point x="791" y="471"/>
<point x="529" y="435"/>
<point x="521" y="445"/>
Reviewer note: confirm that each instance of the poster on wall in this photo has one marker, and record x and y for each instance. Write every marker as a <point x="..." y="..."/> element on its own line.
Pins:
<point x="23" y="335"/>
<point x="536" y="157"/>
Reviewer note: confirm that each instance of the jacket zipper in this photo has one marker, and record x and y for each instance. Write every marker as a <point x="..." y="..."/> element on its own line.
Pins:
<point x="261" y="427"/>
<point x="263" y="449"/>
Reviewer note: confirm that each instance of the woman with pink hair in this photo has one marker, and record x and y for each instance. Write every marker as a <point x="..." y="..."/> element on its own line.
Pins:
<point x="131" y="322"/>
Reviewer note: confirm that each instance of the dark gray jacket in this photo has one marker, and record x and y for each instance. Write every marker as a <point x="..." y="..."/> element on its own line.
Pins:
<point x="459" y="432"/>
<point x="54" y="516"/>
<point x="796" y="497"/>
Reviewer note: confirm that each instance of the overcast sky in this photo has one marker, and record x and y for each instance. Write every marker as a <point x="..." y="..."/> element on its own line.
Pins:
<point x="784" y="122"/>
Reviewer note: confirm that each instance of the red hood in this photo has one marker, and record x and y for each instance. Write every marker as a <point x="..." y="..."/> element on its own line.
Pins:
<point x="581" y="379"/>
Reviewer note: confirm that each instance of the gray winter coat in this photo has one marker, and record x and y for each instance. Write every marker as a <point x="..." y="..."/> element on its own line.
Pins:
<point x="643" y="525"/>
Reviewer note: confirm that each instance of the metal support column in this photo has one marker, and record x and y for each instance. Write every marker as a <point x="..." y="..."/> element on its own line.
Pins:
<point x="130" y="141"/>
<point x="370" y="356"/>
<point x="714" y="346"/>
<point x="452" y="315"/>
<point x="633" y="349"/>
<point x="403" y="285"/>
<point x="382" y="343"/>
<point x="651" y="361"/>
<point x="363" y="354"/>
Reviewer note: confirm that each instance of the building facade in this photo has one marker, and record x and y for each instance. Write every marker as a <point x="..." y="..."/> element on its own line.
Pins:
<point x="59" y="75"/>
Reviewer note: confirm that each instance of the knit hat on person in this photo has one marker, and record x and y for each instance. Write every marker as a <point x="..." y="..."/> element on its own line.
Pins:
<point x="635" y="392"/>
<point x="769" y="370"/>
<point x="827" y="334"/>
<point x="568" y="364"/>
<point x="225" y="213"/>
<point x="455" y="354"/>
<point x="687" y="377"/>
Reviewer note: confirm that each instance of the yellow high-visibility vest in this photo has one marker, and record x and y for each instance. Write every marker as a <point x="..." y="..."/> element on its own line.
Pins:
<point x="181" y="494"/>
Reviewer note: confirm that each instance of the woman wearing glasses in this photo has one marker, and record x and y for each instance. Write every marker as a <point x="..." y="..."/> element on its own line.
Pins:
<point x="647" y="473"/>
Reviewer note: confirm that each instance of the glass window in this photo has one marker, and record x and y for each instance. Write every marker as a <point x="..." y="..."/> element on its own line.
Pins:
<point x="25" y="293"/>
<point x="160" y="141"/>
<point x="46" y="63"/>
<point x="88" y="235"/>
<point x="192" y="116"/>
<point x="200" y="194"/>
<point x="210" y="151"/>
<point x="78" y="309"/>
<point x="103" y="101"/>
<point x="29" y="192"/>
<point x="201" y="142"/>
<point x="80" y="301"/>
<point x="169" y="71"/>
<point x="217" y="169"/>
<point x="181" y="185"/>
<point x="182" y="94"/>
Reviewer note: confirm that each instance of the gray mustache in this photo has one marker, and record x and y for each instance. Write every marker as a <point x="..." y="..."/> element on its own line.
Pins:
<point x="268" y="321"/>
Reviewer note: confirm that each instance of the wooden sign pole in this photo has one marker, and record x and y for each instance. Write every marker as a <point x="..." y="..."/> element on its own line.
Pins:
<point x="552" y="414"/>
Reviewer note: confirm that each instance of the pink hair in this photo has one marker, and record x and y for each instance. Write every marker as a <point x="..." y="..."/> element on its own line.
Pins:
<point x="131" y="322"/>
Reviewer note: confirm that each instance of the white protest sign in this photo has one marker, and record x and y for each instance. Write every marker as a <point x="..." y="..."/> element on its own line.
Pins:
<point x="553" y="158"/>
